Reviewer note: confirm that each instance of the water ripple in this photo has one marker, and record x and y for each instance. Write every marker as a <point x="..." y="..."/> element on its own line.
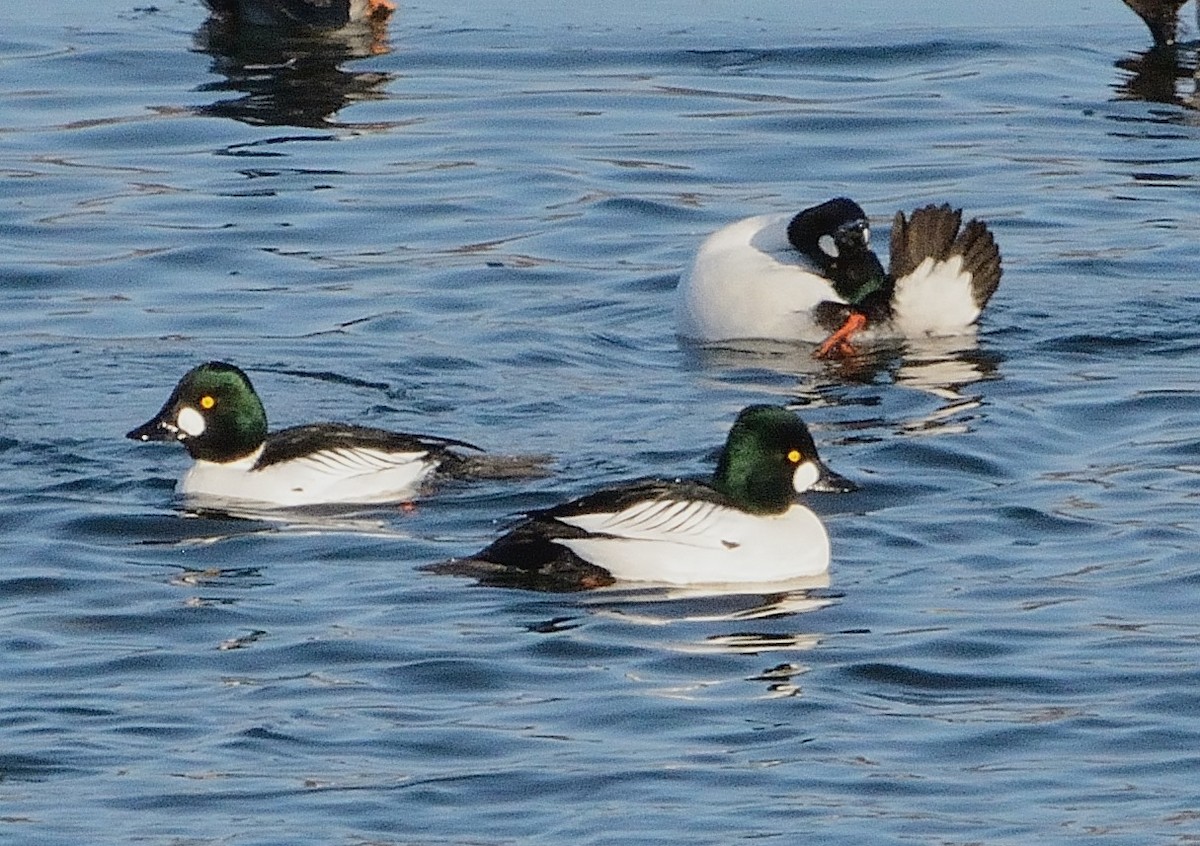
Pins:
<point x="473" y="225"/>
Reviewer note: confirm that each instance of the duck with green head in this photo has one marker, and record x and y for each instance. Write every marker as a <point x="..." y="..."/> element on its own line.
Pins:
<point x="743" y="526"/>
<point x="216" y="414"/>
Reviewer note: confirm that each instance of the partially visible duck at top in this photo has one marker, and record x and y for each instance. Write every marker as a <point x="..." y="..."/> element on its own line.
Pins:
<point x="308" y="14"/>
<point x="743" y="527"/>
<point x="812" y="277"/>
<point x="1161" y="18"/>
<point x="216" y="414"/>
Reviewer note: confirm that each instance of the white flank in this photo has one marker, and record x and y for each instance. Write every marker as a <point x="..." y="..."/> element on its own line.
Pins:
<point x="330" y="476"/>
<point x="935" y="299"/>
<point x="190" y="422"/>
<point x="681" y="543"/>
<point x="748" y="281"/>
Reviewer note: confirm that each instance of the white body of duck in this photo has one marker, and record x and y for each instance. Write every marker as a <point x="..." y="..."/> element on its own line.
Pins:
<point x="351" y="475"/>
<point x="748" y="281"/>
<point x="689" y="541"/>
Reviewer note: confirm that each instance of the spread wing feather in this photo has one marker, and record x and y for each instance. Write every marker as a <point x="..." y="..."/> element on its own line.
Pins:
<point x="933" y="232"/>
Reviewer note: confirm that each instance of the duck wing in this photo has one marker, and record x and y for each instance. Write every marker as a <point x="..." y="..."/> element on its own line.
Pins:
<point x="943" y="273"/>
<point x="347" y="443"/>
<point x="531" y="556"/>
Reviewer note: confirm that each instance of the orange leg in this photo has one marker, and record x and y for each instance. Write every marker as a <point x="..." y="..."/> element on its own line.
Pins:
<point x="380" y="8"/>
<point x="838" y="344"/>
<point x="378" y="12"/>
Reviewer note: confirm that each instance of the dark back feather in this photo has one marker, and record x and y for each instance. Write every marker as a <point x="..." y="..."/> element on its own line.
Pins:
<point x="528" y="557"/>
<point x="981" y="258"/>
<point x="299" y="441"/>
<point x="929" y="233"/>
<point x="625" y="496"/>
<point x="319" y="14"/>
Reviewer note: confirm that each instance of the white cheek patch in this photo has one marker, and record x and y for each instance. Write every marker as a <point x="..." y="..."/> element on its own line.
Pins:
<point x="805" y="476"/>
<point x="190" y="422"/>
<point x="827" y="245"/>
<point x="866" y="235"/>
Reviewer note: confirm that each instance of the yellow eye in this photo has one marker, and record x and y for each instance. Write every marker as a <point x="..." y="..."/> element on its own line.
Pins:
<point x="794" y="456"/>
<point x="207" y="402"/>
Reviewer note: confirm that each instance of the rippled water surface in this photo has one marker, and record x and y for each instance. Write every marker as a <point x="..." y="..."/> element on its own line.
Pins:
<point x="472" y="226"/>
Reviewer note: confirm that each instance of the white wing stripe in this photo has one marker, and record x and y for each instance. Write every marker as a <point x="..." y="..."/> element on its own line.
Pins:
<point x="658" y="516"/>
<point x="341" y="462"/>
<point x="660" y="520"/>
<point x="699" y="512"/>
<point x="680" y="517"/>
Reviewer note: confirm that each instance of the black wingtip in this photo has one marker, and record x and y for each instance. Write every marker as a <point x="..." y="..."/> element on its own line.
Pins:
<point x="929" y="232"/>
<point x="497" y="467"/>
<point x="529" y="557"/>
<point x="981" y="258"/>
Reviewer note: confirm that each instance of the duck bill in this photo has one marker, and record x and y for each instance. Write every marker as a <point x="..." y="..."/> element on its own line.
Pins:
<point x="852" y="234"/>
<point x="157" y="429"/>
<point x="831" y="482"/>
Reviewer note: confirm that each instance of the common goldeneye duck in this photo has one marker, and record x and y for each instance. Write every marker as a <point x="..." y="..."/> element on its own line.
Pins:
<point x="745" y="526"/>
<point x="313" y="14"/>
<point x="802" y="277"/>
<point x="216" y="414"/>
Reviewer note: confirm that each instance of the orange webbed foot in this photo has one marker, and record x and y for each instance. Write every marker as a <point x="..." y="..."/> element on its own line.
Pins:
<point x="838" y="344"/>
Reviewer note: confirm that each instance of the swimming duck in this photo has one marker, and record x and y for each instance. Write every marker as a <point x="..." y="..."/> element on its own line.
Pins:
<point x="802" y="277"/>
<point x="217" y="416"/>
<point x="744" y="526"/>
<point x="314" y="14"/>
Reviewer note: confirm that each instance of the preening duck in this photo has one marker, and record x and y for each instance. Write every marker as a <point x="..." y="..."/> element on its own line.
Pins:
<point x="812" y="277"/>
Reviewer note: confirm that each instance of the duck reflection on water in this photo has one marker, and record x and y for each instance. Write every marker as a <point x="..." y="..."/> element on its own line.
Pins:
<point x="941" y="368"/>
<point x="288" y="76"/>
<point x="1162" y="74"/>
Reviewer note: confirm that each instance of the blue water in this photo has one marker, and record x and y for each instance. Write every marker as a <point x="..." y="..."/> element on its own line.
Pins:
<point x="473" y="229"/>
